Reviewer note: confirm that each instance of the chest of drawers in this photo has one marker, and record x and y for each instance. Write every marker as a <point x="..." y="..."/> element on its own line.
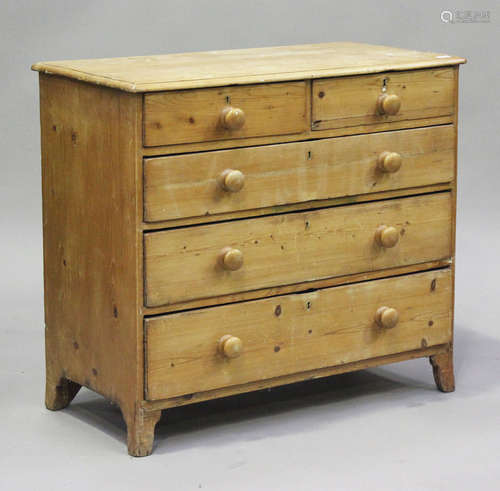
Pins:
<point x="222" y="222"/>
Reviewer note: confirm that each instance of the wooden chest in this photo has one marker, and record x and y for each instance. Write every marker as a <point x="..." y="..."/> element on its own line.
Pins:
<point x="222" y="222"/>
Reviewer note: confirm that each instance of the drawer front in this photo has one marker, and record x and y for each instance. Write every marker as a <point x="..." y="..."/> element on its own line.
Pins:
<point x="189" y="116"/>
<point x="293" y="333"/>
<point x="210" y="260"/>
<point x="354" y="101"/>
<point x="193" y="185"/>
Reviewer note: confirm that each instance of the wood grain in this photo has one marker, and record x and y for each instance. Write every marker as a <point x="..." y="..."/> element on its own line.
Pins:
<point x="243" y="66"/>
<point x="305" y="205"/>
<point x="295" y="333"/>
<point x="187" y="185"/>
<point x="292" y="248"/>
<point x="307" y="135"/>
<point x="352" y="101"/>
<point x="91" y="244"/>
<point x="196" y="397"/>
<point x="187" y="116"/>
<point x="297" y="287"/>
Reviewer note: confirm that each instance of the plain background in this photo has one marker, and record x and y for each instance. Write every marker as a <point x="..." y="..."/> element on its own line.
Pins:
<point x="386" y="428"/>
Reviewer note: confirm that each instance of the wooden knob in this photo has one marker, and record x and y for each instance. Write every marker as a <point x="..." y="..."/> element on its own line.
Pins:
<point x="388" y="104"/>
<point x="386" y="236"/>
<point x="386" y="317"/>
<point x="230" y="346"/>
<point x="231" y="259"/>
<point x="389" y="161"/>
<point x="231" y="180"/>
<point x="233" y="118"/>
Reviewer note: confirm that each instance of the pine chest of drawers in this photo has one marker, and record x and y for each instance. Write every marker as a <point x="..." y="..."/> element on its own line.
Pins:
<point x="216" y="223"/>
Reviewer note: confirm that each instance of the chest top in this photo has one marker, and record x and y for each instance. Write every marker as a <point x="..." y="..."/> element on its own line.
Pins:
<point x="243" y="66"/>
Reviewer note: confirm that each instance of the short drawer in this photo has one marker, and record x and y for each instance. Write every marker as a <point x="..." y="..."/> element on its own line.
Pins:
<point x="211" y="183"/>
<point x="207" y="349"/>
<point x="383" y="98"/>
<point x="211" y="260"/>
<point x="197" y="115"/>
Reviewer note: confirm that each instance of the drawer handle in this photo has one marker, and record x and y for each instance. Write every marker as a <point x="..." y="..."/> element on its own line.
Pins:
<point x="386" y="317"/>
<point x="386" y="236"/>
<point x="231" y="180"/>
<point x="389" y="104"/>
<point x="233" y="118"/>
<point x="231" y="259"/>
<point x="230" y="346"/>
<point x="389" y="161"/>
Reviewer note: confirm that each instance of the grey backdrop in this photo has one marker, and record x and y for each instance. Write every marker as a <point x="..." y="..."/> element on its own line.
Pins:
<point x="382" y="429"/>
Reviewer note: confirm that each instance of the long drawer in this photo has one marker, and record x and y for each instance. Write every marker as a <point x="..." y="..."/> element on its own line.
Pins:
<point x="192" y="185"/>
<point x="210" y="260"/>
<point x="198" y="350"/>
<point x="383" y="98"/>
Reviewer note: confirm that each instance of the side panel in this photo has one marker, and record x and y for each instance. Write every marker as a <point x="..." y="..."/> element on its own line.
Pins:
<point x="91" y="245"/>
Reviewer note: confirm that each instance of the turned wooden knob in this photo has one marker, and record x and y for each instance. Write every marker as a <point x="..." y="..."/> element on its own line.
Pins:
<point x="233" y="118"/>
<point x="230" y="346"/>
<point x="389" y="104"/>
<point x="386" y="317"/>
<point x="386" y="236"/>
<point x="231" y="180"/>
<point x="231" y="259"/>
<point x="389" y="161"/>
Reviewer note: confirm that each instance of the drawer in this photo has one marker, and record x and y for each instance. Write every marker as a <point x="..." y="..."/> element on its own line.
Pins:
<point x="211" y="260"/>
<point x="194" y="185"/>
<point x="371" y="99"/>
<point x="188" y="116"/>
<point x="207" y="349"/>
